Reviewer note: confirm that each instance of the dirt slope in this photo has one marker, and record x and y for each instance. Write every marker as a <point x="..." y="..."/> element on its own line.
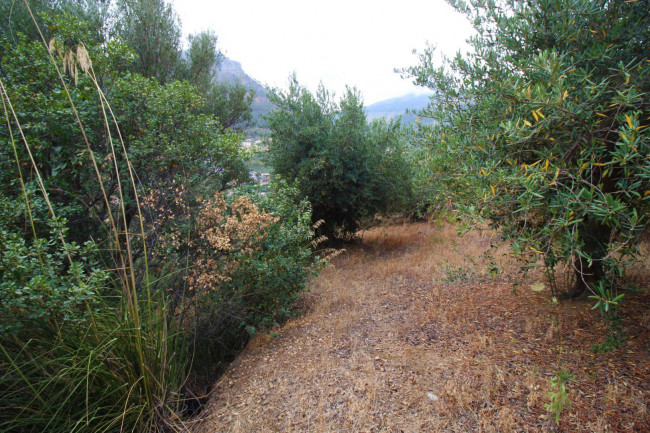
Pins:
<point x="408" y="332"/>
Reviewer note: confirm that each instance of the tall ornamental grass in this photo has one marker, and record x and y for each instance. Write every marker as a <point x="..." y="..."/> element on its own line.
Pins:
<point x="81" y="349"/>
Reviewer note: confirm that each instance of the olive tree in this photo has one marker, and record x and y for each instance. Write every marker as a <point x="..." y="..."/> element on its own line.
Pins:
<point x="541" y="131"/>
<point x="349" y="169"/>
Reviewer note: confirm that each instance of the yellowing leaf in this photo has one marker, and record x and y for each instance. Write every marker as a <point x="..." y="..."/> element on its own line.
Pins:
<point x="638" y="128"/>
<point x="535" y="116"/>
<point x="527" y="123"/>
<point x="647" y="193"/>
<point x="571" y="70"/>
<point x="565" y="95"/>
<point x="536" y="251"/>
<point x="537" y="287"/>
<point x="546" y="165"/>
<point x="583" y="166"/>
<point x="601" y="114"/>
<point x="493" y="190"/>
<point x="629" y="121"/>
<point x="539" y="112"/>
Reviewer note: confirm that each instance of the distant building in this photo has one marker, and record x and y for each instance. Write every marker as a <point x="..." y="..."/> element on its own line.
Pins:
<point x="249" y="143"/>
<point x="260" y="178"/>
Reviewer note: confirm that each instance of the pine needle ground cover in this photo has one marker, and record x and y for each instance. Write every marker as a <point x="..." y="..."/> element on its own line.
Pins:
<point x="414" y="330"/>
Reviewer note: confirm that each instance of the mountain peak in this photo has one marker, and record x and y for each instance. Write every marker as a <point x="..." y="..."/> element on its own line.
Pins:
<point x="231" y="71"/>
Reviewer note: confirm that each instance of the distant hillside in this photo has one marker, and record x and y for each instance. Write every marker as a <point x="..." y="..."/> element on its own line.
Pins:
<point x="231" y="71"/>
<point x="395" y="107"/>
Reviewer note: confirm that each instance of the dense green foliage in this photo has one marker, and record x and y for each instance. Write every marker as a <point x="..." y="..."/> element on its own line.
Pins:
<point x="39" y="284"/>
<point x="125" y="268"/>
<point x="164" y="129"/>
<point x="152" y="29"/>
<point x="541" y="131"/>
<point x="348" y="169"/>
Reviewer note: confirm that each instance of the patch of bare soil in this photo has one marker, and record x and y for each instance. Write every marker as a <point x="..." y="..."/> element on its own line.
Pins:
<point x="409" y="332"/>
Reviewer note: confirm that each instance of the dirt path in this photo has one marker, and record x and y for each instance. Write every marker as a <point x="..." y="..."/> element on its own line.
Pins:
<point x="408" y="332"/>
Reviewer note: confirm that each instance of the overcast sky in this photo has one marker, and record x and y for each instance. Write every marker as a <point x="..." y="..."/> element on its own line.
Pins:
<point x="338" y="42"/>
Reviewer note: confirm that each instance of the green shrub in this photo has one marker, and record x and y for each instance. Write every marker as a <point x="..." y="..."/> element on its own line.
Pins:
<point x="38" y="284"/>
<point x="348" y="169"/>
<point x="249" y="259"/>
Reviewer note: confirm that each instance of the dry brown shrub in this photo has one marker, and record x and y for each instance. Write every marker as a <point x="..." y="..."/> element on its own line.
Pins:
<point x="223" y="230"/>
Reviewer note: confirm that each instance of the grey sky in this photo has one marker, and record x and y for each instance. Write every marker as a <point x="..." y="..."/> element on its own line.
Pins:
<point x="339" y="42"/>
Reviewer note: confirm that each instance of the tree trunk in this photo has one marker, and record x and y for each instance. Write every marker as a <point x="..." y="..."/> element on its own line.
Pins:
<point x="595" y="238"/>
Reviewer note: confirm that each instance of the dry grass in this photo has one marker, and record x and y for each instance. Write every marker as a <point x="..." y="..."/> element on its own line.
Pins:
<point x="408" y="332"/>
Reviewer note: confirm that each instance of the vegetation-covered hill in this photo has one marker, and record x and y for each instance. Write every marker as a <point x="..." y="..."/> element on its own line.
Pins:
<point x="396" y="107"/>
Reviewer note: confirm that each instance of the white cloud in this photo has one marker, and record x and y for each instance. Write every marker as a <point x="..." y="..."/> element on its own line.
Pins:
<point x="339" y="42"/>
